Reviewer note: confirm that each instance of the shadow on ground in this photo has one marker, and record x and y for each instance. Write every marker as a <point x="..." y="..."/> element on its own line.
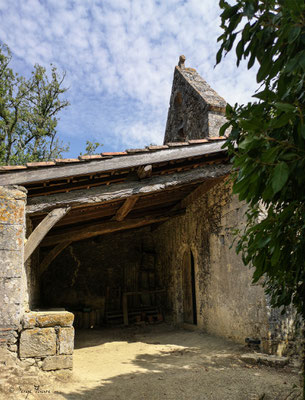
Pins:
<point x="161" y="363"/>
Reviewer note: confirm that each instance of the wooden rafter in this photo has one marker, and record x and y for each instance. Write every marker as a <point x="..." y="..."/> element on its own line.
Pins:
<point x="42" y="229"/>
<point x="144" y="171"/>
<point x="125" y="209"/>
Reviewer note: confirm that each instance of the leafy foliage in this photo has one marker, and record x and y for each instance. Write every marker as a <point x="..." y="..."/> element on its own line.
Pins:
<point x="267" y="141"/>
<point x="28" y="113"/>
<point x="91" y="147"/>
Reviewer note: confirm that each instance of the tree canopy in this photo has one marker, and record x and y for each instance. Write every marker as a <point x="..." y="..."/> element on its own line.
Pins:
<point x="29" y="113"/>
<point x="267" y="141"/>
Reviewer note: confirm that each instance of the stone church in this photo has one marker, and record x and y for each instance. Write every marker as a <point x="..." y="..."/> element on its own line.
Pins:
<point x="126" y="237"/>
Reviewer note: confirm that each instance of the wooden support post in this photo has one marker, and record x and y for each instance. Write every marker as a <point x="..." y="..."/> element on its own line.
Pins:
<point x="125" y="309"/>
<point x="42" y="229"/>
<point x="125" y="209"/>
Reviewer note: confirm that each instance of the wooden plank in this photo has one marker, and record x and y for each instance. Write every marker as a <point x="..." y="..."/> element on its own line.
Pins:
<point x="125" y="209"/>
<point x="30" y="176"/>
<point x="42" y="229"/>
<point x="124" y="190"/>
<point x="85" y="232"/>
<point x="51" y="256"/>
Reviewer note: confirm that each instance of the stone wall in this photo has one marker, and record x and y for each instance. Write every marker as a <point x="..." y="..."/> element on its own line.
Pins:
<point x="12" y="279"/>
<point x="42" y="339"/>
<point x="12" y="276"/>
<point x="227" y="303"/>
<point x="47" y="340"/>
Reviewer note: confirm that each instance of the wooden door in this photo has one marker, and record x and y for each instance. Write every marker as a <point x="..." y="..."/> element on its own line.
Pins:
<point x="189" y="294"/>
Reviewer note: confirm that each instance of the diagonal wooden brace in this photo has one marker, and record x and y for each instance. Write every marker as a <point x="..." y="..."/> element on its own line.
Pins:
<point x="42" y="229"/>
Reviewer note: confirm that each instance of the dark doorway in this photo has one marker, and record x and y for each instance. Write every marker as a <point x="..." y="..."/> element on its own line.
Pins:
<point x="189" y="289"/>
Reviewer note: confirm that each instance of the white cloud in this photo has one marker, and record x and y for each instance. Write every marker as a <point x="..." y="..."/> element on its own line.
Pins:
<point x="121" y="51"/>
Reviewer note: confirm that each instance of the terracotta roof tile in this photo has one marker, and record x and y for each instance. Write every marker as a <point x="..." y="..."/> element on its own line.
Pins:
<point x="90" y="157"/>
<point x="40" y="164"/>
<point x="66" y="160"/>
<point x="177" y="144"/>
<point x="117" y="153"/>
<point x="107" y="155"/>
<point x="198" y="141"/>
<point x="11" y="167"/>
<point x="155" y="147"/>
<point x="134" y="151"/>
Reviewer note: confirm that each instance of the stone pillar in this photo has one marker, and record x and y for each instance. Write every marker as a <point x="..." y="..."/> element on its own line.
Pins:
<point x="12" y="234"/>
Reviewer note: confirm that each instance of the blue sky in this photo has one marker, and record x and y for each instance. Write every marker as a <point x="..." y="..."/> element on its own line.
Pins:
<point x="119" y="58"/>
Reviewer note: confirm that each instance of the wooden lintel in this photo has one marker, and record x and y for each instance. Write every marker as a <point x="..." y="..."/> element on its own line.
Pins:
<point x="121" y="191"/>
<point x="144" y="171"/>
<point x="51" y="256"/>
<point x="125" y="209"/>
<point x="42" y="229"/>
<point x="86" y="232"/>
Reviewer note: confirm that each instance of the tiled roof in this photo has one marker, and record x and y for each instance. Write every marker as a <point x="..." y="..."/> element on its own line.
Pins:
<point x="106" y="155"/>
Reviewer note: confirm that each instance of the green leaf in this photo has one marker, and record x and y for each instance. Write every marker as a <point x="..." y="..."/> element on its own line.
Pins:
<point x="293" y="33"/>
<point x="280" y="176"/>
<point x="266" y="95"/>
<point x="285" y="107"/>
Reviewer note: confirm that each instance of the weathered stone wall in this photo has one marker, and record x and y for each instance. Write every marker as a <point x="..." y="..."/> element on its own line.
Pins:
<point x="47" y="340"/>
<point x="12" y="278"/>
<point x="196" y="111"/>
<point x="228" y="304"/>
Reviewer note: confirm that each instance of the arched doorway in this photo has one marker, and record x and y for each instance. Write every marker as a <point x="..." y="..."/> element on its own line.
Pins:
<point x="189" y="289"/>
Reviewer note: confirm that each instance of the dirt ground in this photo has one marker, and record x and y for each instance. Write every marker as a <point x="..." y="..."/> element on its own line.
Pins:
<point x="155" y="362"/>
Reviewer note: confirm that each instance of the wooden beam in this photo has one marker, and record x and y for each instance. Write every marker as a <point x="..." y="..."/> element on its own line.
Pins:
<point x="42" y="229"/>
<point x="125" y="209"/>
<point x="144" y="171"/>
<point x="118" y="191"/>
<point x="51" y="256"/>
<point x="86" y="232"/>
<point x="24" y="177"/>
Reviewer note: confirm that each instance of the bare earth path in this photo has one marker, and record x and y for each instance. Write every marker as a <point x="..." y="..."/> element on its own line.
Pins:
<point x="159" y="362"/>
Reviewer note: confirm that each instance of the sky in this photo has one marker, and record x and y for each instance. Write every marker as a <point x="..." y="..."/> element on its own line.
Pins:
<point x="119" y="58"/>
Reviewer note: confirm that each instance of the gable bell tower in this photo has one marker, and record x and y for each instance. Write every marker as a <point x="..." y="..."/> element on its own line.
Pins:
<point x="196" y="111"/>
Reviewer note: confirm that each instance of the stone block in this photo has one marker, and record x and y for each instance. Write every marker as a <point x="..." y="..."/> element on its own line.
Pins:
<point x="11" y="264"/>
<point x="54" y="318"/>
<point x="57" y="362"/>
<point x="29" y="320"/>
<point x="66" y="340"/>
<point x="11" y="237"/>
<point x="37" y="342"/>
